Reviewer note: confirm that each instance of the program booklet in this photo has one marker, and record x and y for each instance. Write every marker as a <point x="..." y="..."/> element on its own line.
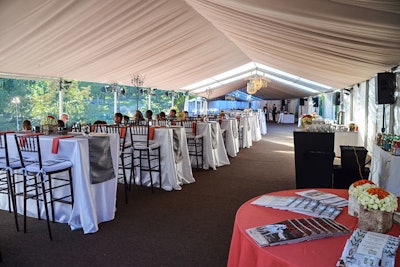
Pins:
<point x="326" y="198"/>
<point x="371" y="249"/>
<point x="301" y="205"/>
<point x="295" y="230"/>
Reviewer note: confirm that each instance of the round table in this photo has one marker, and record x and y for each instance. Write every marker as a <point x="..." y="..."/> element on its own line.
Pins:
<point x="322" y="252"/>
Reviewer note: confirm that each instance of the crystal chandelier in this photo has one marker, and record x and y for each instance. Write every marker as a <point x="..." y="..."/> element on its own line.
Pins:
<point x="255" y="84"/>
<point x="137" y="80"/>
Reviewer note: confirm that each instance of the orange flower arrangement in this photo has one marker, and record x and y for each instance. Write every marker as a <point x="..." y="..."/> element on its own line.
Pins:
<point x="357" y="187"/>
<point x="378" y="191"/>
<point x="378" y="199"/>
<point x="307" y="119"/>
<point x="361" y="182"/>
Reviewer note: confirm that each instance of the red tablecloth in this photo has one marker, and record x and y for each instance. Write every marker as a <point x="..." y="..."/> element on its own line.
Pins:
<point x="322" y="252"/>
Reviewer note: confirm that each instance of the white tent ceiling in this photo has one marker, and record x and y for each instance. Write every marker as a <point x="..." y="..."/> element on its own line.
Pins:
<point x="175" y="43"/>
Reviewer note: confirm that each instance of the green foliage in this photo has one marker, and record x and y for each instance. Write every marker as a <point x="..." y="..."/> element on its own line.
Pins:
<point x="83" y="101"/>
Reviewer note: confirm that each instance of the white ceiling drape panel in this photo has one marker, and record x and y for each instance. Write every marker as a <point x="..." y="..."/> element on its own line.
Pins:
<point x="329" y="42"/>
<point x="106" y="41"/>
<point x="175" y="43"/>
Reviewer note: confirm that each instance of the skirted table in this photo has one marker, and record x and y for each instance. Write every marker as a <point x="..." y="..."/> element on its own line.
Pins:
<point x="321" y="252"/>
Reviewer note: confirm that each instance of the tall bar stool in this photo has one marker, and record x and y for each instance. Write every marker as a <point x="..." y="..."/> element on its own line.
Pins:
<point x="41" y="179"/>
<point x="147" y="154"/>
<point x="8" y="166"/>
<point x="125" y="155"/>
<point x="194" y="142"/>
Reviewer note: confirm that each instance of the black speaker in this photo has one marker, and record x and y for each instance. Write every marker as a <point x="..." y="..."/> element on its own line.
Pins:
<point x="301" y="101"/>
<point x="315" y="101"/>
<point x="283" y="102"/>
<point x="385" y="87"/>
<point x="337" y="99"/>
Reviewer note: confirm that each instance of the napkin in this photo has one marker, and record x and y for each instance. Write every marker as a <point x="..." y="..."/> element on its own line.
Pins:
<point x="152" y="130"/>
<point x="122" y="131"/>
<point x="194" y="126"/>
<point x="54" y="148"/>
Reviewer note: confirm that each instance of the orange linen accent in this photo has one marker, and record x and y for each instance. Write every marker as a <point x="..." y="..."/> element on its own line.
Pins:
<point x="7" y="132"/>
<point x="92" y="128"/>
<point x="122" y="131"/>
<point x="151" y="131"/>
<point x="194" y="126"/>
<point x="23" y="140"/>
<point x="54" y="147"/>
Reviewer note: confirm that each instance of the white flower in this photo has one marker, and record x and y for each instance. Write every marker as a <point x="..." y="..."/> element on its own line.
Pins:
<point x="378" y="199"/>
<point x="359" y="186"/>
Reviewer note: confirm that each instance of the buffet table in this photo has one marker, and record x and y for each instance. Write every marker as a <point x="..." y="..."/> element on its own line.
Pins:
<point x="385" y="170"/>
<point x="94" y="202"/>
<point x="286" y="118"/>
<point x="321" y="252"/>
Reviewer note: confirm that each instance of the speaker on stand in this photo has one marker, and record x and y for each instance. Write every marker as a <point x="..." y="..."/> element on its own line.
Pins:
<point x="385" y="86"/>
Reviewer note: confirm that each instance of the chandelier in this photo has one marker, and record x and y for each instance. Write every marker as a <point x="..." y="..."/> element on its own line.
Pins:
<point x="137" y="80"/>
<point x="255" y="84"/>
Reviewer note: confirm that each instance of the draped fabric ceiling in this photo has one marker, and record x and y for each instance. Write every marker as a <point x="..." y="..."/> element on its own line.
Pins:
<point x="175" y="43"/>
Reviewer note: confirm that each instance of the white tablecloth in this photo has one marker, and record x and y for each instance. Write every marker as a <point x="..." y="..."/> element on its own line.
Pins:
<point x="173" y="174"/>
<point x="231" y="136"/>
<point x="263" y="123"/>
<point x="385" y="170"/>
<point x="255" y="128"/>
<point x="94" y="203"/>
<point x="214" y="155"/>
<point x="286" y="118"/>
<point x="247" y="137"/>
<point x="346" y="139"/>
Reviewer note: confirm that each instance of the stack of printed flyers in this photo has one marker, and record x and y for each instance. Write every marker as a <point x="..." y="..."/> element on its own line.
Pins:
<point x="312" y="202"/>
<point x="324" y="206"/>
<point x="371" y="249"/>
<point x="296" y="230"/>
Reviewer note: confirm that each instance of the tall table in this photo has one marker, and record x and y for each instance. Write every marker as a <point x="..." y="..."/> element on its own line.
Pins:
<point x="231" y="136"/>
<point x="93" y="203"/>
<point x="322" y="252"/>
<point x="175" y="162"/>
<point x="213" y="145"/>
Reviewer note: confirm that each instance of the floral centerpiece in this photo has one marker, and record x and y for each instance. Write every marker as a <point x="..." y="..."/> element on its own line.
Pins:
<point x="377" y="207"/>
<point x="49" y="125"/>
<point x="306" y="120"/>
<point x="355" y="190"/>
<point x="180" y="116"/>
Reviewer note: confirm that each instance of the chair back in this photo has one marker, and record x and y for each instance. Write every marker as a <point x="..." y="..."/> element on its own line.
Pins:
<point x="121" y="130"/>
<point x="161" y="123"/>
<point x="353" y="157"/>
<point x="28" y="146"/>
<point x="140" y="133"/>
<point x="4" y="150"/>
<point x="190" y="126"/>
